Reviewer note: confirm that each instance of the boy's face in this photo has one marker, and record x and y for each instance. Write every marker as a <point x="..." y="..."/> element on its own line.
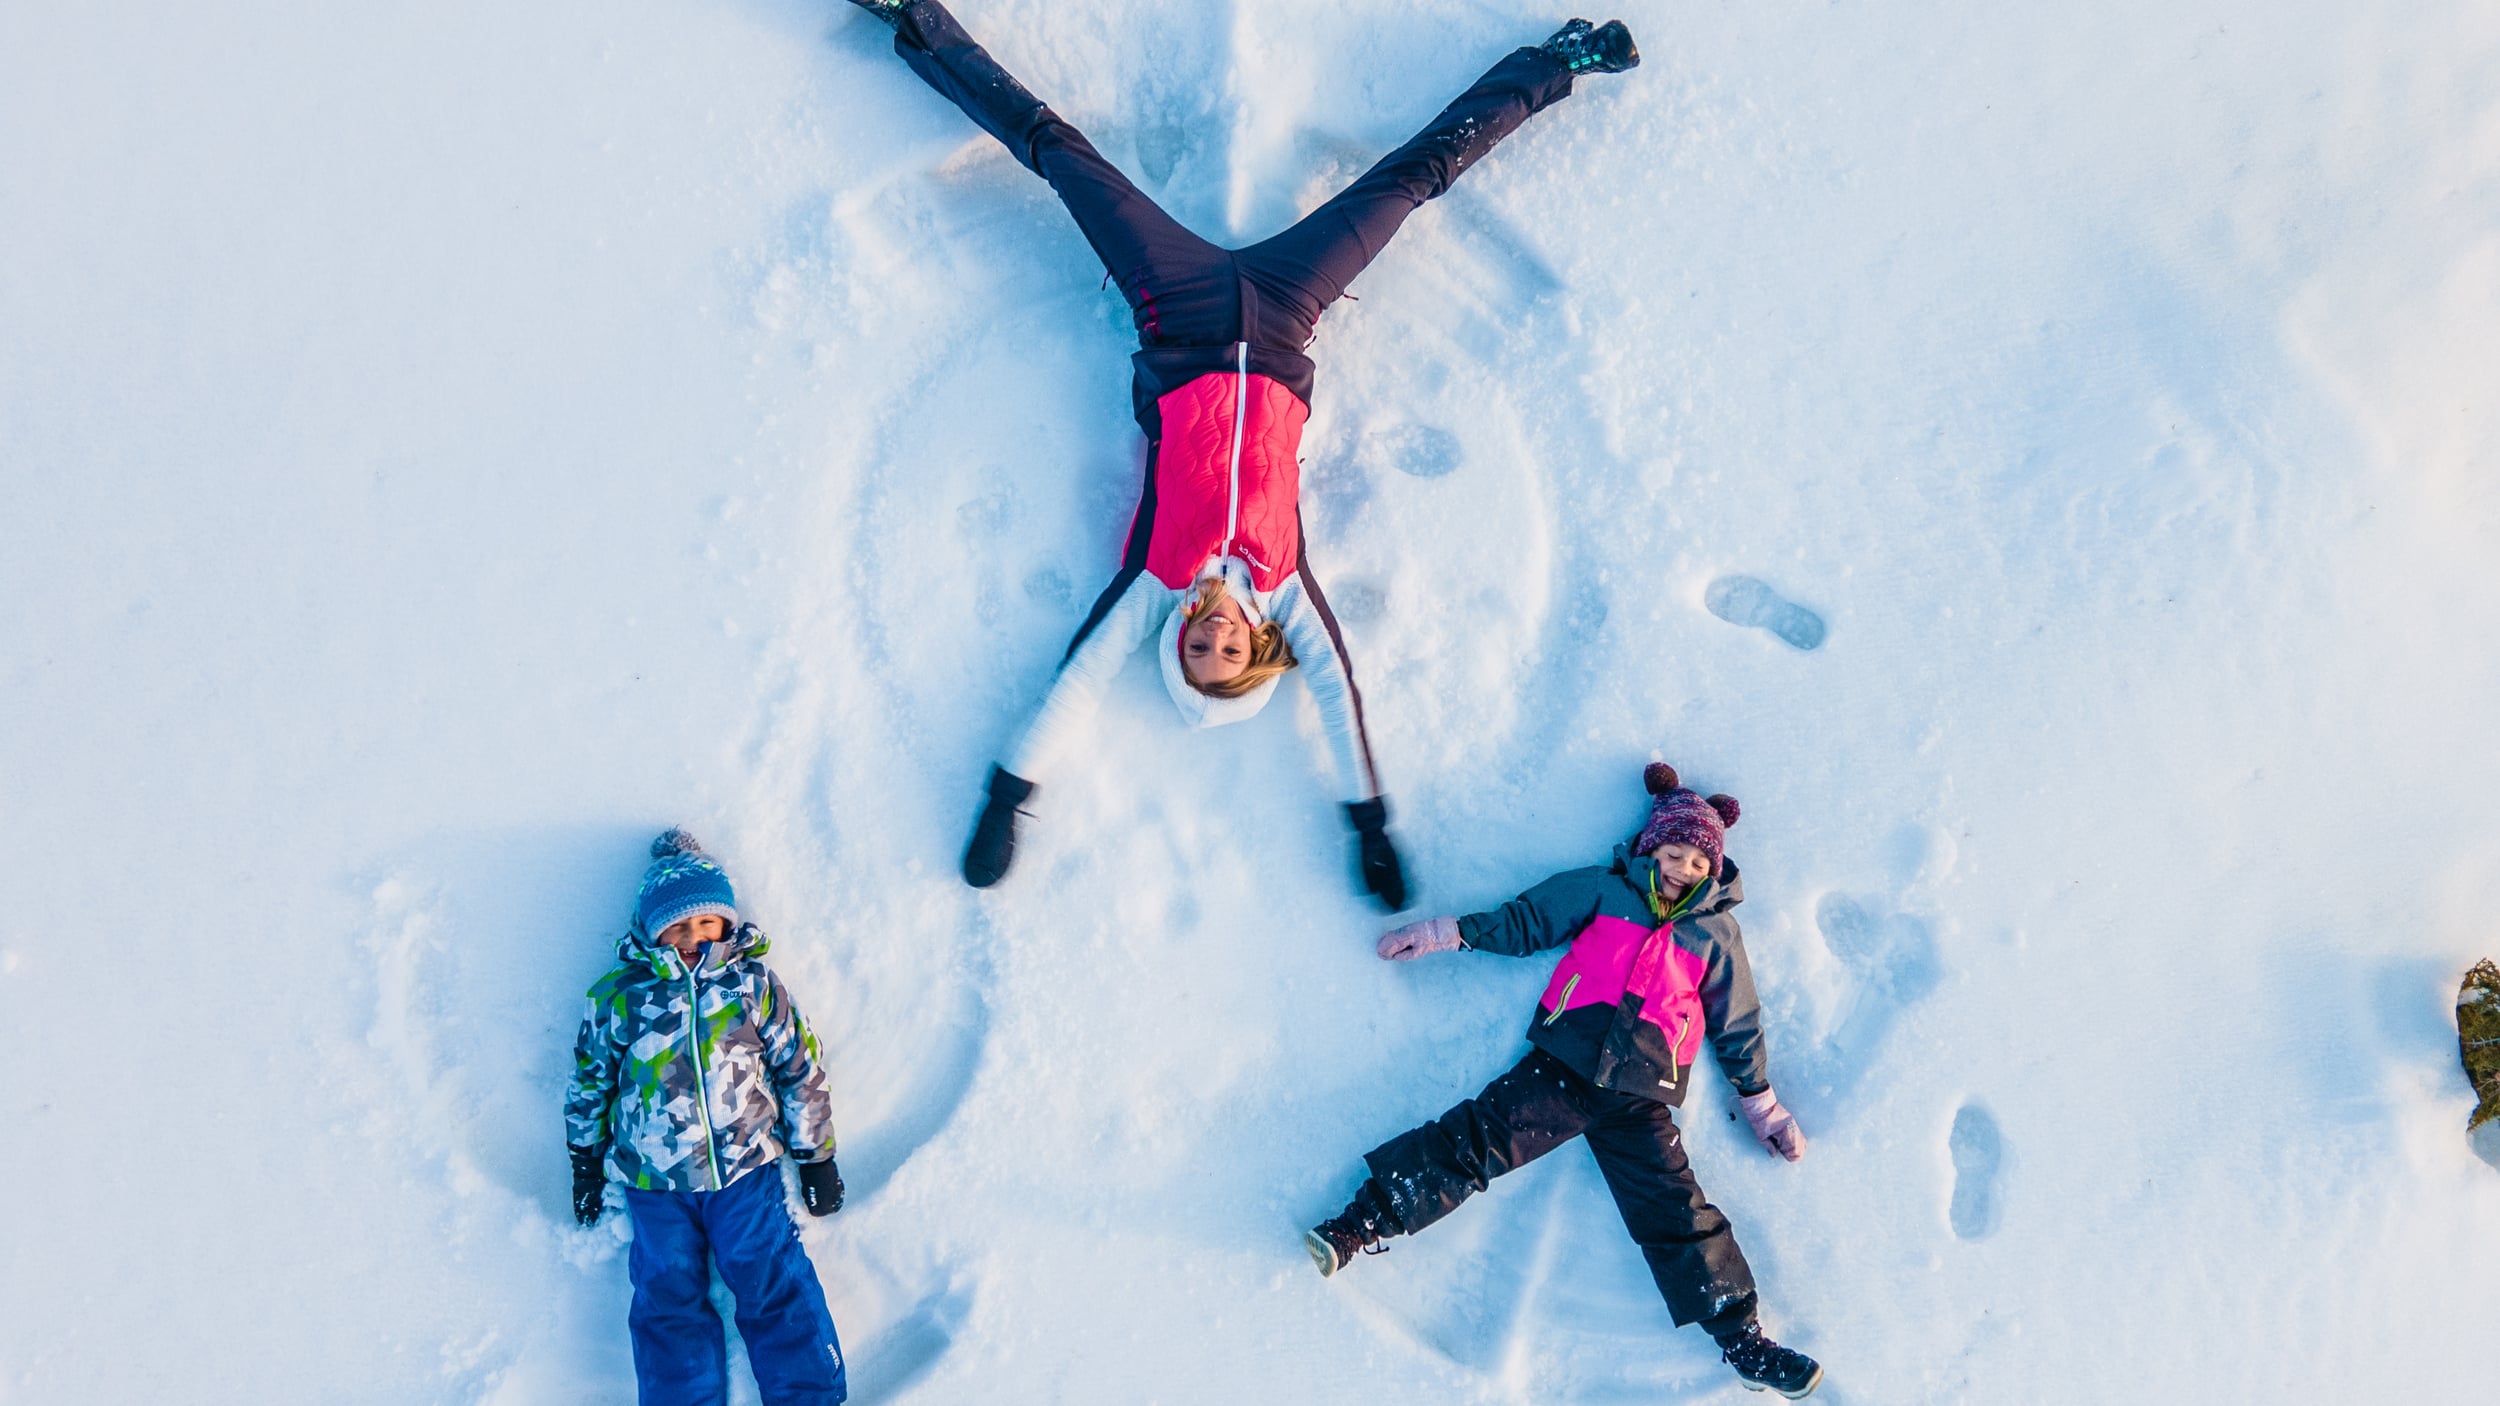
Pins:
<point x="688" y="935"/>
<point x="1681" y="865"/>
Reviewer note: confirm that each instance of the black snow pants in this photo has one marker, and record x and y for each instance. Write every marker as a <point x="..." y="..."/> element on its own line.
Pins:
<point x="1182" y="290"/>
<point x="1540" y="1105"/>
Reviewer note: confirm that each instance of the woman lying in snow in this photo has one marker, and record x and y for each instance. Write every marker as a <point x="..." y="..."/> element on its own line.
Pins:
<point x="1654" y="965"/>
<point x="1216" y="570"/>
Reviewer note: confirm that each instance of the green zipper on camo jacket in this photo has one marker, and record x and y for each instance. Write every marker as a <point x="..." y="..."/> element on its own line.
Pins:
<point x="702" y="1084"/>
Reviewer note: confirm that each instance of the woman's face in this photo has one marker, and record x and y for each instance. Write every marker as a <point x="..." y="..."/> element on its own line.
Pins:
<point x="1216" y="646"/>
<point x="1681" y="865"/>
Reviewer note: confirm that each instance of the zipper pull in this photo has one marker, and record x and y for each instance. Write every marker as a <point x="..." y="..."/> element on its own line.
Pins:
<point x="1563" y="1002"/>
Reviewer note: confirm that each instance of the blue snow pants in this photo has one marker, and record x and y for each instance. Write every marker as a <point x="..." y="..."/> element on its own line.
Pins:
<point x="680" y="1357"/>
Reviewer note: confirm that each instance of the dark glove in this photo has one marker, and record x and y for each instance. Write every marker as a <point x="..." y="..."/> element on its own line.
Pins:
<point x="590" y="1183"/>
<point x="820" y="1187"/>
<point x="993" y="845"/>
<point x="1384" y="877"/>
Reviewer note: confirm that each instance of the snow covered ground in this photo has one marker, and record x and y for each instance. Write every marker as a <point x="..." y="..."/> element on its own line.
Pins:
<point x="442" y="445"/>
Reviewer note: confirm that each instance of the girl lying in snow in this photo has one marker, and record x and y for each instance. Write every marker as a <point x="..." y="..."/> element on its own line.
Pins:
<point x="1654" y="964"/>
<point x="1216" y="569"/>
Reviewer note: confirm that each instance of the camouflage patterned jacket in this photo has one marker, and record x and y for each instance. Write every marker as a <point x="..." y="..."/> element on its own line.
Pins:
<point x="691" y="1080"/>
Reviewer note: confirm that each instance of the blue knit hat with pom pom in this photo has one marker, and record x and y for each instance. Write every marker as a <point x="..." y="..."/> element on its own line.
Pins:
<point x="683" y="882"/>
<point x="1681" y="816"/>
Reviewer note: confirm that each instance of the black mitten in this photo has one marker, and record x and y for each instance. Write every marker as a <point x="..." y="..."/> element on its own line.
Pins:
<point x="590" y="1183"/>
<point x="993" y="845"/>
<point x="1383" y="875"/>
<point x="820" y="1187"/>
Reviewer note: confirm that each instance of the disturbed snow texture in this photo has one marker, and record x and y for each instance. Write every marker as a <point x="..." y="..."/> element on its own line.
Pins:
<point x="2039" y="462"/>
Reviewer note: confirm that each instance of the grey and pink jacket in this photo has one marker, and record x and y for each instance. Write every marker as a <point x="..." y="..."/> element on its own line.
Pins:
<point x="1643" y="983"/>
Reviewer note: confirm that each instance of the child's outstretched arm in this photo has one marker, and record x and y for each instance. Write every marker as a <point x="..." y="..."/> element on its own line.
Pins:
<point x="1544" y="918"/>
<point x="588" y="1101"/>
<point x="1733" y="1014"/>
<point x="795" y="1063"/>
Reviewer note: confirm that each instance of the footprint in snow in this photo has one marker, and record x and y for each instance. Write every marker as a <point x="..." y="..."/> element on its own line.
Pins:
<point x="1743" y="600"/>
<point x="1049" y="586"/>
<point x="901" y="1355"/>
<point x="1978" y="1152"/>
<point x="1892" y="958"/>
<point x="1163" y="142"/>
<point x="1418" y="451"/>
<point x="1358" y="600"/>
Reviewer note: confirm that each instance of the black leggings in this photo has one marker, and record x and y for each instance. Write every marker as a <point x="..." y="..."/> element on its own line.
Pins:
<point x="1540" y="1105"/>
<point x="1182" y="290"/>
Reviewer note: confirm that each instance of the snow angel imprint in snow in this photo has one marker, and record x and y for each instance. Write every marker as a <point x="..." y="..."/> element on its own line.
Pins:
<point x="1653" y="971"/>
<point x="1216" y="572"/>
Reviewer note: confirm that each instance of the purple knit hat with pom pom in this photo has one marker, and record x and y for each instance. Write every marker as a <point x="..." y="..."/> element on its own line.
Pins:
<point x="1679" y="816"/>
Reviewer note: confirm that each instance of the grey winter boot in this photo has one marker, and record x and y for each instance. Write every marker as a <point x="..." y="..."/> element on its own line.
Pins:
<point x="1361" y="1226"/>
<point x="1764" y="1365"/>
<point x="1587" y="48"/>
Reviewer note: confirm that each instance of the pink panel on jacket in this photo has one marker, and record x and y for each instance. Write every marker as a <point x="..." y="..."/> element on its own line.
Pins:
<point x="1193" y="480"/>
<point x="1613" y="957"/>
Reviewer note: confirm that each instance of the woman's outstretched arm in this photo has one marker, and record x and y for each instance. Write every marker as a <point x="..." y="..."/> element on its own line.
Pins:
<point x="1319" y="654"/>
<point x="1320" y="660"/>
<point x="1108" y="637"/>
<point x="1087" y="673"/>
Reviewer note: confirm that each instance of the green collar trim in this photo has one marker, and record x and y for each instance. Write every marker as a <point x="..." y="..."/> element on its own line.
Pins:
<point x="1659" y="908"/>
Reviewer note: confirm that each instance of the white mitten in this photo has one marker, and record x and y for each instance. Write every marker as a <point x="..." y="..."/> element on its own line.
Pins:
<point x="1415" y="939"/>
<point x="1773" y="1126"/>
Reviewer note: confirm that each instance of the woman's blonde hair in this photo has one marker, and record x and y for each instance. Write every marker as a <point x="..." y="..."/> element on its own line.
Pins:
<point x="1270" y="656"/>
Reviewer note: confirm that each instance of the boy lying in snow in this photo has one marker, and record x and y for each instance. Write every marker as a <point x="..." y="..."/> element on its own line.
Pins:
<point x="693" y="1071"/>
<point x="1655" y="964"/>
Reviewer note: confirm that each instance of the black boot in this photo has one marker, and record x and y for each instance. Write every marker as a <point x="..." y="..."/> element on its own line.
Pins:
<point x="993" y="845"/>
<point x="1764" y="1365"/>
<point x="1361" y="1226"/>
<point x="1587" y="48"/>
